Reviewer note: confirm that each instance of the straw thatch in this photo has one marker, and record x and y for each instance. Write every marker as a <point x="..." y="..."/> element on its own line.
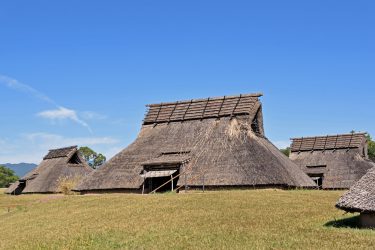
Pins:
<point x="361" y="196"/>
<point x="218" y="142"/>
<point x="339" y="160"/>
<point x="57" y="164"/>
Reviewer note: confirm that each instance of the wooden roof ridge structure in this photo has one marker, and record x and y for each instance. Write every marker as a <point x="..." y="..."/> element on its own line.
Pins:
<point x="328" y="142"/>
<point x="58" y="163"/>
<point x="336" y="161"/>
<point x="60" y="152"/>
<point x="361" y="196"/>
<point x="194" y="109"/>
<point x="219" y="139"/>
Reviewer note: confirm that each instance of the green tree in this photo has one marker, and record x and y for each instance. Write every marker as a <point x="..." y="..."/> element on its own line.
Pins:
<point x="7" y="176"/>
<point x="93" y="158"/>
<point x="99" y="160"/>
<point x="371" y="147"/>
<point x="285" y="151"/>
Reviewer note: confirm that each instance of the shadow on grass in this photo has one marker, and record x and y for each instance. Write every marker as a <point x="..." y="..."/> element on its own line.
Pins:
<point x="352" y="222"/>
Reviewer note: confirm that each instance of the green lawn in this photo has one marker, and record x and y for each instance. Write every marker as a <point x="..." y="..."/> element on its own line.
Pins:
<point x="253" y="219"/>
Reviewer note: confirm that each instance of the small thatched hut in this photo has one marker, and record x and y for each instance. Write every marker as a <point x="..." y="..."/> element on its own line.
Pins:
<point x="361" y="198"/>
<point x="57" y="164"/>
<point x="333" y="162"/>
<point x="212" y="142"/>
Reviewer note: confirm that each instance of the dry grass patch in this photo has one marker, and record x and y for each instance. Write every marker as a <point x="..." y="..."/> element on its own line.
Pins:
<point x="252" y="219"/>
<point x="67" y="183"/>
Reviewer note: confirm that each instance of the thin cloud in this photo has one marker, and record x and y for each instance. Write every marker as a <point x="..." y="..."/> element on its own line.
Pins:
<point x="63" y="114"/>
<point x="49" y="141"/>
<point x="90" y="115"/>
<point x="5" y="146"/>
<point x="16" y="85"/>
<point x="58" y="114"/>
<point x="33" y="146"/>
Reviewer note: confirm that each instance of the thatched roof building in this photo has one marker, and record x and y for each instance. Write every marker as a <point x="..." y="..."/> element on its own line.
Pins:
<point x="361" y="198"/>
<point x="213" y="142"/>
<point x="334" y="162"/>
<point x="57" y="164"/>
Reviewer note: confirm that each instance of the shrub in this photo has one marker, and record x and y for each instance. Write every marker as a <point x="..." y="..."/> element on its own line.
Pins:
<point x="7" y="176"/>
<point x="67" y="183"/>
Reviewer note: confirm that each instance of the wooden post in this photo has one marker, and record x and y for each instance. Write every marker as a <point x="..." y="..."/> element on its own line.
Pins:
<point x="144" y="180"/>
<point x="150" y="180"/>
<point x="185" y="182"/>
<point x="203" y="182"/>
<point x="172" y="182"/>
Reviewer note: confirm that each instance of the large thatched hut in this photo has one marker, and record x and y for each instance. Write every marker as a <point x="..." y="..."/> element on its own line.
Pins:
<point x="56" y="165"/>
<point x="361" y="198"/>
<point x="212" y="142"/>
<point x="334" y="162"/>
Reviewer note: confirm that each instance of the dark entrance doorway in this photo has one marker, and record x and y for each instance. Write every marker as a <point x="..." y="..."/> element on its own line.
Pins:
<point x="316" y="173"/>
<point x="164" y="179"/>
<point x="21" y="186"/>
<point x="318" y="179"/>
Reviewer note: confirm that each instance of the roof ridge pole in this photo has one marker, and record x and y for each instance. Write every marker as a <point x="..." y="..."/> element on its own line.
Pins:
<point x="174" y="109"/>
<point x="337" y="138"/>
<point x="235" y="107"/>
<point x="187" y="109"/>
<point x="221" y="106"/>
<point x="205" y="107"/>
<point x="157" y="116"/>
<point x="312" y="150"/>
<point x="300" y="145"/>
<point x="325" y="144"/>
<point x="350" y="142"/>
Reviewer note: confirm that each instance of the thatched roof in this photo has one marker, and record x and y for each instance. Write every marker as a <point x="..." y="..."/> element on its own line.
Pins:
<point x="342" y="159"/>
<point x="169" y="159"/>
<point x="61" y="152"/>
<point x="329" y="142"/>
<point x="225" y="148"/>
<point x="361" y="196"/>
<point x="58" y="163"/>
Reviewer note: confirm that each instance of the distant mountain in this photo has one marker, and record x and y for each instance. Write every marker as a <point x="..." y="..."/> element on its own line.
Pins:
<point x="21" y="168"/>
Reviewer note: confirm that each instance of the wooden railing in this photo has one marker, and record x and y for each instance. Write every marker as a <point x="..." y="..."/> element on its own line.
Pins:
<point x="184" y="185"/>
<point x="154" y="191"/>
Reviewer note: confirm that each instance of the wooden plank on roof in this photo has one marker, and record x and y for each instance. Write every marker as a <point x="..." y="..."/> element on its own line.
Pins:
<point x="201" y="108"/>
<point x="327" y="142"/>
<point x="161" y="105"/>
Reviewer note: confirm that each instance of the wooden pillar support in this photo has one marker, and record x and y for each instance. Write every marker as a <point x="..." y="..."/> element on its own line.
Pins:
<point x="172" y="182"/>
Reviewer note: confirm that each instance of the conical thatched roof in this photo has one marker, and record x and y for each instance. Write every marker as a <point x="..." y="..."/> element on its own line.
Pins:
<point x="361" y="196"/>
<point x="341" y="159"/>
<point x="58" y="163"/>
<point x="220" y="140"/>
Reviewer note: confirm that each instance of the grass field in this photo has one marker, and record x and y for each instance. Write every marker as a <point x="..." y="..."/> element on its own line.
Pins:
<point x="253" y="219"/>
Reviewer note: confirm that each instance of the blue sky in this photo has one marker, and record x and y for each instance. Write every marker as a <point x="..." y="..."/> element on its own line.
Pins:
<point x="81" y="72"/>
